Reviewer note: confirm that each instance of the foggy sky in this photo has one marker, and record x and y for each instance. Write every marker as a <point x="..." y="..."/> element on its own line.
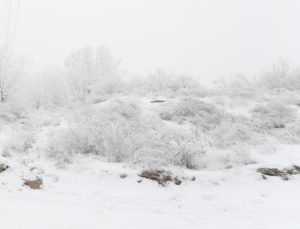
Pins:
<point x="207" y="38"/>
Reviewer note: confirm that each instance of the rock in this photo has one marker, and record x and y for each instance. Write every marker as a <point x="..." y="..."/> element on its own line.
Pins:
<point x="3" y="167"/>
<point x="139" y="181"/>
<point x="177" y="181"/>
<point x="270" y="171"/>
<point x="264" y="177"/>
<point x="297" y="168"/>
<point x="123" y="175"/>
<point x="158" y="101"/>
<point x="293" y="171"/>
<point x="34" y="184"/>
<point x="161" y="176"/>
<point x="284" y="174"/>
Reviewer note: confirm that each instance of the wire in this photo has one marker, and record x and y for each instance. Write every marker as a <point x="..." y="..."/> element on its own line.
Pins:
<point x="17" y="12"/>
<point x="4" y="22"/>
<point x="9" y="15"/>
<point x="9" y="22"/>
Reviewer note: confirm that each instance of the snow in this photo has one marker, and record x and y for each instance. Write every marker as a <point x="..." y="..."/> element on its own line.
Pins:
<point x="90" y="194"/>
<point x="225" y="138"/>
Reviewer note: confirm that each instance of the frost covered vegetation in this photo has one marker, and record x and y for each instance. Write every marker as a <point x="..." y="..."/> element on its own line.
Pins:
<point x="89" y="106"/>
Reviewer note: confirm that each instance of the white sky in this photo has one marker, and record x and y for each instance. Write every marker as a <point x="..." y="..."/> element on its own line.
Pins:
<point x="209" y="38"/>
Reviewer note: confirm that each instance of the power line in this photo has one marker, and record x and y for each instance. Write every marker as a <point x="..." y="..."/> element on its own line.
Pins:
<point x="4" y="15"/>
<point x="10" y="15"/>
<point x="16" y="12"/>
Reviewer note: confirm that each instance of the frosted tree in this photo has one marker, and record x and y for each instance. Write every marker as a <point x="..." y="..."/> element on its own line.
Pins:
<point x="88" y="68"/>
<point x="47" y="87"/>
<point x="10" y="69"/>
<point x="281" y="76"/>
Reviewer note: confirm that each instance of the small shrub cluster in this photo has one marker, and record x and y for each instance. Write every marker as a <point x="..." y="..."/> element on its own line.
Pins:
<point x="273" y="115"/>
<point x="201" y="114"/>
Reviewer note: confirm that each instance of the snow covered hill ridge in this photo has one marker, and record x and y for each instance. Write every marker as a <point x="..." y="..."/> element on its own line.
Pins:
<point x="157" y="124"/>
<point x="83" y="145"/>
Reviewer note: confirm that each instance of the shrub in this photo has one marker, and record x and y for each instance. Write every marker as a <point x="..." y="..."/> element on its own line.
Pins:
<point x="280" y="76"/>
<point x="273" y="115"/>
<point x="112" y="132"/>
<point x="204" y="115"/>
<point x="10" y="112"/>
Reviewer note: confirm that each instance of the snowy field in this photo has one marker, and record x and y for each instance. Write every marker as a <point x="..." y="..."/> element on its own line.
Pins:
<point x="92" y="195"/>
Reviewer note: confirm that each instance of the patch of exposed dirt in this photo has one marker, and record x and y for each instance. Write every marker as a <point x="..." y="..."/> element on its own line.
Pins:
<point x="34" y="184"/>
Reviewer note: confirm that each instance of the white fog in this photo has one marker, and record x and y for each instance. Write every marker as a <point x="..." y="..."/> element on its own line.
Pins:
<point x="163" y="114"/>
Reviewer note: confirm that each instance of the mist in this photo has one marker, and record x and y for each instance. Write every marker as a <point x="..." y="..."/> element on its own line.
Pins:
<point x="141" y="114"/>
<point x="207" y="39"/>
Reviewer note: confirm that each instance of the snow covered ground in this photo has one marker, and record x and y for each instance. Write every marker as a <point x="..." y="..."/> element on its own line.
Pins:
<point x="90" y="194"/>
<point x="80" y="150"/>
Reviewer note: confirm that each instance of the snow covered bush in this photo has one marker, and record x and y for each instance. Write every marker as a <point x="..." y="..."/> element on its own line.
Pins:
<point x="166" y="84"/>
<point x="91" y="70"/>
<point x="184" y="153"/>
<point x="232" y="132"/>
<point x="273" y="115"/>
<point x="190" y="152"/>
<point x="16" y="140"/>
<point x="192" y="110"/>
<point x="239" y="87"/>
<point x="184" y="132"/>
<point x="118" y="131"/>
<point x="113" y="135"/>
<point x="11" y="112"/>
<point x="280" y="76"/>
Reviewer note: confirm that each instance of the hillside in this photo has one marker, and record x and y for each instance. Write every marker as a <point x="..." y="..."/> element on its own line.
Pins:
<point x="90" y="157"/>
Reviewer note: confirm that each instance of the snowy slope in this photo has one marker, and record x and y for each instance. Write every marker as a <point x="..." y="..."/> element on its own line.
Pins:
<point x="82" y="187"/>
<point x="90" y="194"/>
